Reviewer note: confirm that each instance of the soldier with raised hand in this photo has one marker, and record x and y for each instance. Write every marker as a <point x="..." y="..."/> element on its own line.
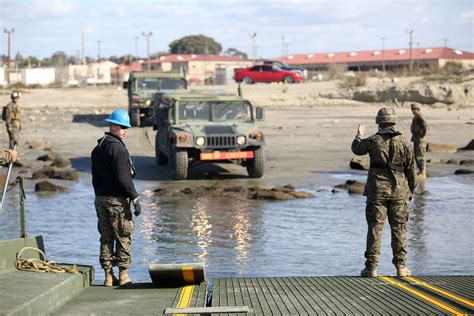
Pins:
<point x="12" y="116"/>
<point x="419" y="128"/>
<point x="390" y="184"/>
<point x="112" y="173"/>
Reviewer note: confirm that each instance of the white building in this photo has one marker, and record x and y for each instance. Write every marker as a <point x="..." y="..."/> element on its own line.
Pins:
<point x="41" y="76"/>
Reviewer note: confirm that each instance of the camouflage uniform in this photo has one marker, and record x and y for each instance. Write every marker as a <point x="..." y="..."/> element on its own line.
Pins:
<point x="418" y="131"/>
<point x="5" y="157"/>
<point x="13" y="122"/>
<point x="115" y="226"/>
<point x="390" y="184"/>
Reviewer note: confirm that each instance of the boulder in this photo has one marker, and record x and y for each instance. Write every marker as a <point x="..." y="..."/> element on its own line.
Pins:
<point x="53" y="173"/>
<point x="469" y="146"/>
<point x="441" y="148"/>
<point x="35" y="143"/>
<point x="360" y="163"/>
<point x="61" y="162"/>
<point x="46" y="186"/>
<point x="452" y="162"/>
<point x="467" y="162"/>
<point x="47" y="157"/>
<point x="352" y="186"/>
<point x="272" y="195"/>
<point x="464" y="171"/>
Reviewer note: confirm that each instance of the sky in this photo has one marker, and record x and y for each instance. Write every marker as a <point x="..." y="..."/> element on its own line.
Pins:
<point x="42" y="27"/>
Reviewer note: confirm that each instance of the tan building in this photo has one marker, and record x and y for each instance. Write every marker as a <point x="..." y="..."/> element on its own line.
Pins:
<point x="198" y="68"/>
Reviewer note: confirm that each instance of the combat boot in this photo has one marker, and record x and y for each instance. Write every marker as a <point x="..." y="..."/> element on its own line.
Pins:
<point x="124" y="279"/>
<point x="403" y="271"/>
<point x="368" y="273"/>
<point x="110" y="278"/>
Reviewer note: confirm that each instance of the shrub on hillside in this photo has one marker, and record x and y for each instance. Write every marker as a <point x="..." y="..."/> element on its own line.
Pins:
<point x="359" y="80"/>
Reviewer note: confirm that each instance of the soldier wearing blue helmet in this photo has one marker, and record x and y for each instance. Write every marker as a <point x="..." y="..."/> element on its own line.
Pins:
<point x="112" y="173"/>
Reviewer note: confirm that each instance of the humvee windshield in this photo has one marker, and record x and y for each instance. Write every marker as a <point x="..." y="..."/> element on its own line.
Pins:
<point x="215" y="111"/>
<point x="160" y="84"/>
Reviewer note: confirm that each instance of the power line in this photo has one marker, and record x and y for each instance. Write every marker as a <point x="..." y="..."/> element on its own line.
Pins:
<point x="148" y="35"/>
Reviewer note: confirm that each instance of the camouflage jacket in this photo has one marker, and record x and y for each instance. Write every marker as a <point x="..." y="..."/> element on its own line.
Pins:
<point x="392" y="172"/>
<point x="13" y="114"/>
<point x="5" y="157"/>
<point x="418" y="128"/>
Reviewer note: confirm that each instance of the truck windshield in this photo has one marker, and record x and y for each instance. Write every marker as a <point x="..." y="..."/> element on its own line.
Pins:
<point x="221" y="111"/>
<point x="160" y="84"/>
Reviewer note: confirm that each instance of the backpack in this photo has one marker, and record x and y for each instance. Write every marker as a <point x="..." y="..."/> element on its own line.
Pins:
<point x="4" y="113"/>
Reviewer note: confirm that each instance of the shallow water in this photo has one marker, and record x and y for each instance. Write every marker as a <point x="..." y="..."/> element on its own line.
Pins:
<point x="240" y="237"/>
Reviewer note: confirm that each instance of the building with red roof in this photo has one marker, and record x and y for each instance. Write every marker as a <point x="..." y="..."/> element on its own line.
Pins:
<point x="391" y="59"/>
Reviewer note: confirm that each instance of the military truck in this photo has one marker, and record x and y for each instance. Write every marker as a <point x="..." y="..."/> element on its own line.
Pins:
<point x="141" y="88"/>
<point x="201" y="127"/>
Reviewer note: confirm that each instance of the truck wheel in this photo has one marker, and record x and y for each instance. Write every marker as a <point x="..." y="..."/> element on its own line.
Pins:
<point x="135" y="118"/>
<point x="161" y="159"/>
<point x="179" y="164"/>
<point x="289" y="79"/>
<point x="256" y="165"/>
<point x="247" y="80"/>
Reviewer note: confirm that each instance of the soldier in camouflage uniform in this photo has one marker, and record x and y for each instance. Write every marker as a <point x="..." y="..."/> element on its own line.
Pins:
<point x="418" y="131"/>
<point x="390" y="185"/>
<point x="12" y="117"/>
<point x="112" y="173"/>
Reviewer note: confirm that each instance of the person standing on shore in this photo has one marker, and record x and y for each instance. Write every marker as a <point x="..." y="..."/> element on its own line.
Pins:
<point x="419" y="128"/>
<point x="11" y="114"/>
<point x="390" y="184"/>
<point x="112" y="173"/>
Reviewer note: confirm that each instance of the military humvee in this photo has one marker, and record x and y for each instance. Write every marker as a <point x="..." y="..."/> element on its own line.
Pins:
<point x="201" y="127"/>
<point x="142" y="86"/>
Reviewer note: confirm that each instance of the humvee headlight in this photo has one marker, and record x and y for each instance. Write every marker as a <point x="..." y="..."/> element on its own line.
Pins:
<point x="258" y="136"/>
<point x="240" y="140"/>
<point x="200" y="141"/>
<point x="148" y="102"/>
<point x="182" y="137"/>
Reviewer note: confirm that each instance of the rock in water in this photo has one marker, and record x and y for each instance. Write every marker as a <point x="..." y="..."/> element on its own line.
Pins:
<point x="46" y="186"/>
<point x="360" y="163"/>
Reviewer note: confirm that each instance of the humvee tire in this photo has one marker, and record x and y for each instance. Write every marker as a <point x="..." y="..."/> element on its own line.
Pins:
<point x="161" y="159"/>
<point x="256" y="166"/>
<point x="135" y="118"/>
<point x="179" y="164"/>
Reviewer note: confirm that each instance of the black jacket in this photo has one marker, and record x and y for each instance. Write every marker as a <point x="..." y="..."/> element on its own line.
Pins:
<point x="112" y="168"/>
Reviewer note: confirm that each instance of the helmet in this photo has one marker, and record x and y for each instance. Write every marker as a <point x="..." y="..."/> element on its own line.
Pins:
<point x="385" y="115"/>
<point x="415" y="106"/>
<point x="119" y="117"/>
<point x="15" y="94"/>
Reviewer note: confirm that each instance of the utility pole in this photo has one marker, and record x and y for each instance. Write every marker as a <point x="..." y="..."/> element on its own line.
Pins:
<point x="283" y="46"/>
<point x="98" y="50"/>
<point x="286" y="47"/>
<point x="383" y="53"/>
<point x="417" y="55"/>
<point x="410" y="33"/>
<point x="9" y="32"/>
<point x="148" y="35"/>
<point x="253" y="35"/>
<point x="83" y="56"/>
<point x="445" y="43"/>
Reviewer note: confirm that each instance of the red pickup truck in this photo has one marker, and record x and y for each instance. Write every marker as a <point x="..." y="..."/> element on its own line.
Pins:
<point x="265" y="73"/>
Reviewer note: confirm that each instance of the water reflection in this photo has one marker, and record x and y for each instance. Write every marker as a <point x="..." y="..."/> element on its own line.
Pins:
<point x="212" y="229"/>
<point x="417" y="225"/>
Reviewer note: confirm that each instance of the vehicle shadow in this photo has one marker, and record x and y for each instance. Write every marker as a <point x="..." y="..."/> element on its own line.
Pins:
<point x="97" y="120"/>
<point x="148" y="170"/>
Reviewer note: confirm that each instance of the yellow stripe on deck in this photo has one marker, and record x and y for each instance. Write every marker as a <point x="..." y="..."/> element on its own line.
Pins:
<point x="441" y="291"/>
<point x="423" y="296"/>
<point x="185" y="297"/>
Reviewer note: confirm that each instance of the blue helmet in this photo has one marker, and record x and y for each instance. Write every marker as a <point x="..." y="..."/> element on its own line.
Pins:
<point x="119" y="117"/>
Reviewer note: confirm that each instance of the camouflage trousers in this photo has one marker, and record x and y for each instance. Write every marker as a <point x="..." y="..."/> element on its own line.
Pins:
<point x="419" y="147"/>
<point x="375" y="212"/>
<point x="14" y="134"/>
<point x="115" y="226"/>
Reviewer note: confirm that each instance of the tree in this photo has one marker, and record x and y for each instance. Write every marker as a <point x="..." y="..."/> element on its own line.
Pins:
<point x="59" y="58"/>
<point x="195" y="44"/>
<point x="234" y="52"/>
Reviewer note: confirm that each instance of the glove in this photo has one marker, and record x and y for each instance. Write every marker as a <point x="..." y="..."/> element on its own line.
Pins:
<point x="137" y="207"/>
